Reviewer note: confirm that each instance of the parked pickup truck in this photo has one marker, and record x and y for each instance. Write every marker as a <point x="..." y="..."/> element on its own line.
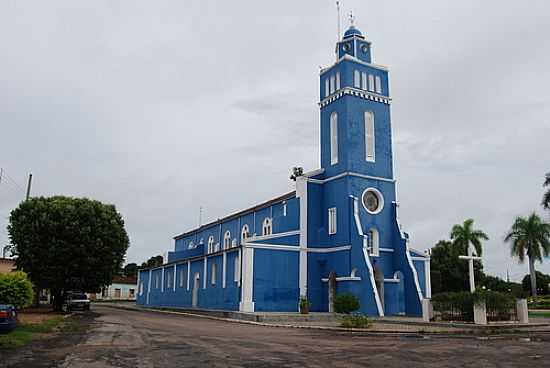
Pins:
<point x="8" y="318"/>
<point x="78" y="301"/>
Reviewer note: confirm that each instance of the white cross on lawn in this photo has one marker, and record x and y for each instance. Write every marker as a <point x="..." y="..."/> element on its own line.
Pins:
<point x="471" y="258"/>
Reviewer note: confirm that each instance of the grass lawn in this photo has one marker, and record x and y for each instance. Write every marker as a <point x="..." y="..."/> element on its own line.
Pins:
<point x="543" y="314"/>
<point x="24" y="333"/>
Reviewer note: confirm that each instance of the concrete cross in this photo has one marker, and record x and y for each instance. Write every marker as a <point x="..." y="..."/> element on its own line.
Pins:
<point x="471" y="258"/>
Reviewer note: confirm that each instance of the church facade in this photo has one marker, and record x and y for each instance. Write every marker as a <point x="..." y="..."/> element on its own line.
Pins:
<point x="338" y="232"/>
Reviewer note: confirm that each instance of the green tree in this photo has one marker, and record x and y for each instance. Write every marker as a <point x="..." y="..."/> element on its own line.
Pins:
<point x="130" y="270"/>
<point x="546" y="197"/>
<point x="152" y="262"/>
<point x="465" y="234"/>
<point x="68" y="244"/>
<point x="542" y="281"/>
<point x="448" y="272"/>
<point x="16" y="289"/>
<point x="530" y="237"/>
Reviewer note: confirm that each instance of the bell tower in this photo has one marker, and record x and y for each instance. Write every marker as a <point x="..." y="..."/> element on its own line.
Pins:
<point x="355" y="111"/>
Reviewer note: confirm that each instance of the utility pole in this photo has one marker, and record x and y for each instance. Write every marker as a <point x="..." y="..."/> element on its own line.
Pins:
<point x="29" y="187"/>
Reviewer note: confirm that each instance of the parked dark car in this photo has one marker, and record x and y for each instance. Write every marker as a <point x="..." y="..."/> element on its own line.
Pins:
<point x="78" y="301"/>
<point x="8" y="318"/>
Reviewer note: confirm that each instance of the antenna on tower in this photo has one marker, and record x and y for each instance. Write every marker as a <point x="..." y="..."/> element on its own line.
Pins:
<point x="338" y="21"/>
<point x="351" y="19"/>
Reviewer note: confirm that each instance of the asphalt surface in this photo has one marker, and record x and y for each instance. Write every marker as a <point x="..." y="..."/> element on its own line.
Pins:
<point x="119" y="338"/>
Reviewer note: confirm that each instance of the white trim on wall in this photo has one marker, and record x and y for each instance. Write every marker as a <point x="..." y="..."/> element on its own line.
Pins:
<point x="347" y="173"/>
<point x="224" y="269"/>
<point x="149" y="285"/>
<point x="247" y="300"/>
<point x="428" y="278"/>
<point x="273" y="236"/>
<point x="175" y="277"/>
<point x="162" y="281"/>
<point x="301" y="193"/>
<point x="188" y="274"/>
<point x="205" y="273"/>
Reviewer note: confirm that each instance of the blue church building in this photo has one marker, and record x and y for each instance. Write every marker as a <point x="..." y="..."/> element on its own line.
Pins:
<point x="337" y="232"/>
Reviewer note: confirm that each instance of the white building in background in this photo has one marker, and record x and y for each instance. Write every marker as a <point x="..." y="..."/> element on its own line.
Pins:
<point x="122" y="288"/>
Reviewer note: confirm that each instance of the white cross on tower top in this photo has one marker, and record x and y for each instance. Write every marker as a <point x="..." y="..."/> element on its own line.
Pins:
<point x="351" y="18"/>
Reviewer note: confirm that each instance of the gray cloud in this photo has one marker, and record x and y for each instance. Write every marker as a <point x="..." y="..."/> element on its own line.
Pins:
<point x="164" y="107"/>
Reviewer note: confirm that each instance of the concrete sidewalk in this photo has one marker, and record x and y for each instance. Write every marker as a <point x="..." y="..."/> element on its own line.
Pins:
<point x="332" y="322"/>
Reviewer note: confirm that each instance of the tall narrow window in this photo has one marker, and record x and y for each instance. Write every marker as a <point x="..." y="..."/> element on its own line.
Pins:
<point x="371" y="82"/>
<point x="327" y="87"/>
<point x="168" y="280"/>
<point x="332" y="84"/>
<point x="332" y="220"/>
<point x="181" y="277"/>
<point x="284" y="208"/>
<point x="213" y="274"/>
<point x="211" y="244"/>
<point x="373" y="242"/>
<point x="267" y="226"/>
<point x="357" y="79"/>
<point x="337" y="81"/>
<point x="334" y="138"/>
<point x="227" y="240"/>
<point x="237" y="271"/>
<point x="369" y="136"/>
<point x="364" y="81"/>
<point x="245" y="233"/>
<point x="378" y="85"/>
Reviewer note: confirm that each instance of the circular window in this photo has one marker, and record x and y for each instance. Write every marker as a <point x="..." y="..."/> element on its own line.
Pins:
<point x="345" y="47"/>
<point x="373" y="201"/>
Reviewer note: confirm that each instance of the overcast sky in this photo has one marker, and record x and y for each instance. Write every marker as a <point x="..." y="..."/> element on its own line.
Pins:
<point x="163" y="107"/>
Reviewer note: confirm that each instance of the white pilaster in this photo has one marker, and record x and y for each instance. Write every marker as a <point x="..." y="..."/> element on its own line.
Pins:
<point x="188" y="273"/>
<point x="138" y="283"/>
<point x="149" y="285"/>
<point x="175" y="277"/>
<point x="301" y="193"/>
<point x="204" y="273"/>
<point x="162" y="281"/>
<point x="224" y="269"/>
<point x="428" y="278"/>
<point x="247" y="276"/>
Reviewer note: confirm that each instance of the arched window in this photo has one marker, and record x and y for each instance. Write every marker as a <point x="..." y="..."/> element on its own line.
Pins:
<point x="364" y="81"/>
<point x="191" y="245"/>
<point x="332" y="82"/>
<point x="334" y="138"/>
<point x="327" y="87"/>
<point x="168" y="280"/>
<point x="337" y="81"/>
<point x="245" y="233"/>
<point x="210" y="244"/>
<point x="237" y="275"/>
<point x="227" y="240"/>
<point x="371" y="82"/>
<point x="267" y="226"/>
<point x="373" y="242"/>
<point x="369" y="136"/>
<point x="213" y="274"/>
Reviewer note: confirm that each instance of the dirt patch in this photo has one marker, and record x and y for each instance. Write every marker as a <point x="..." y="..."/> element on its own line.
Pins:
<point x="36" y="315"/>
<point x="50" y="349"/>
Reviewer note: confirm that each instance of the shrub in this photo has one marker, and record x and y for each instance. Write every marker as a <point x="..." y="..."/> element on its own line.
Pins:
<point x="539" y="302"/>
<point x="16" y="289"/>
<point x="355" y="321"/>
<point x="346" y="303"/>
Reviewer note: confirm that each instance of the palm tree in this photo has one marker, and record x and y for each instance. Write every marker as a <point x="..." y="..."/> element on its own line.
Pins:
<point x="530" y="237"/>
<point x="465" y="235"/>
<point x="546" y="197"/>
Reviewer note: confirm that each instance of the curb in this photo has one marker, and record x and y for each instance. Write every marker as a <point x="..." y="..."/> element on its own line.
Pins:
<point x="460" y="334"/>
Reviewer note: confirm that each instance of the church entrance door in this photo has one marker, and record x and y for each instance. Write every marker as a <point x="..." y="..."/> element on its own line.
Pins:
<point x="196" y="286"/>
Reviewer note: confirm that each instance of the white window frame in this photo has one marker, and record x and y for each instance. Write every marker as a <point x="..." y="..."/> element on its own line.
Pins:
<point x="267" y="226"/>
<point x="337" y="81"/>
<point x="333" y="138"/>
<point x="378" y="85"/>
<point x="364" y="81"/>
<point x="213" y="273"/>
<point x="210" y="244"/>
<point x="237" y="271"/>
<point x="370" y="137"/>
<point x="373" y="242"/>
<point x="327" y="87"/>
<point x="332" y="80"/>
<point x="357" y="79"/>
<point x="227" y="240"/>
<point x="245" y="233"/>
<point x="371" y="82"/>
<point x="332" y="224"/>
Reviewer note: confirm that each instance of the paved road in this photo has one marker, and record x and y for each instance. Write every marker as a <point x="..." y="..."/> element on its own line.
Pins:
<point x="119" y="338"/>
